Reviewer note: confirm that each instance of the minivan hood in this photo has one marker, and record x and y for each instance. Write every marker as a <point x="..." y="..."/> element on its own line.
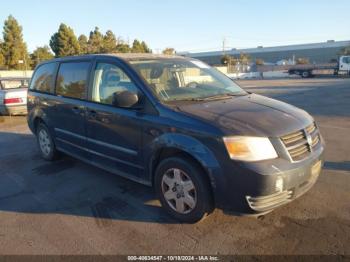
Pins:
<point x="249" y="115"/>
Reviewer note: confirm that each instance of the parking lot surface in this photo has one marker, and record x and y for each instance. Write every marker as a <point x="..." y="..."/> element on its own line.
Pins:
<point x="68" y="207"/>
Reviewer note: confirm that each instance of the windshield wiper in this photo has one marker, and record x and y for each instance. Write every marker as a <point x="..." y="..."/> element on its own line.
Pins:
<point x="189" y="99"/>
<point x="221" y="96"/>
<point x="208" y="98"/>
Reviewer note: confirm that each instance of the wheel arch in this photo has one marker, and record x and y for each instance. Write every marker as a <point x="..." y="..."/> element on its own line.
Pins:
<point x="177" y="145"/>
<point x="35" y="118"/>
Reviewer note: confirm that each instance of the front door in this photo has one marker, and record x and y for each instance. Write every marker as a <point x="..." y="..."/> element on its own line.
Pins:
<point x="114" y="135"/>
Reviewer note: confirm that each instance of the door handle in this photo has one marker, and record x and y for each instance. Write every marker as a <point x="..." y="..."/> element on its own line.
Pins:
<point x="76" y="110"/>
<point x="92" y="113"/>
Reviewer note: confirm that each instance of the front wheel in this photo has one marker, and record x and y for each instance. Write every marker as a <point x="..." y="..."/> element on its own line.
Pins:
<point x="183" y="189"/>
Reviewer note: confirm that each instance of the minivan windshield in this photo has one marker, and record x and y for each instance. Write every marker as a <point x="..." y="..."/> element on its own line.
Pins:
<point x="176" y="79"/>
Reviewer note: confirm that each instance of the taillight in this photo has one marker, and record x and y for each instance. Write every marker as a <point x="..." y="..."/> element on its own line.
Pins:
<point x="13" y="100"/>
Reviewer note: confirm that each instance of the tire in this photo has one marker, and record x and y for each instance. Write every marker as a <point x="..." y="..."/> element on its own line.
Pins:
<point x="45" y="142"/>
<point x="305" y="74"/>
<point x="183" y="189"/>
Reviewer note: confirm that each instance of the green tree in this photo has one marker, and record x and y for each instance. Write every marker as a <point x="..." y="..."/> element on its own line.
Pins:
<point x="109" y="42"/>
<point x="169" y="51"/>
<point x="122" y="48"/>
<point x="95" y="43"/>
<point x="145" y="48"/>
<point x="64" y="42"/>
<point x="140" y="47"/>
<point x="2" y="58"/>
<point x="2" y="61"/>
<point x="83" y="44"/>
<point x="136" y="47"/>
<point x="40" y="54"/>
<point x="14" y="49"/>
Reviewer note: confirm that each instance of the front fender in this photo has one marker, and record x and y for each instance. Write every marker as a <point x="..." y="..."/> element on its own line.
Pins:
<point x="186" y="144"/>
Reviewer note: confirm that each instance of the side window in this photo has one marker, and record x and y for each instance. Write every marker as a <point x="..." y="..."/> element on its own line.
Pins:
<point x="108" y="80"/>
<point x="43" y="78"/>
<point x="72" y="79"/>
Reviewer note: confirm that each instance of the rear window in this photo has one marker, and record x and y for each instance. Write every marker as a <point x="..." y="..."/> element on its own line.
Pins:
<point x="72" y="78"/>
<point x="43" y="78"/>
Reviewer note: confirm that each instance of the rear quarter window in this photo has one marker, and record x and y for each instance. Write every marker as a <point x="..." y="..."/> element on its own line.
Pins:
<point x="72" y="79"/>
<point x="43" y="78"/>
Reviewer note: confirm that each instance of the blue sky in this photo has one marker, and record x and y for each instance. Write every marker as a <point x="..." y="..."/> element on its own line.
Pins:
<point x="192" y="25"/>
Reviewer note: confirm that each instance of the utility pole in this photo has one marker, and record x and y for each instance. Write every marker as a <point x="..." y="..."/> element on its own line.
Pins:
<point x="224" y="46"/>
<point x="25" y="66"/>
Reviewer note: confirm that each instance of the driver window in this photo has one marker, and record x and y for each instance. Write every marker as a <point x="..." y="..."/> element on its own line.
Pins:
<point x="108" y="80"/>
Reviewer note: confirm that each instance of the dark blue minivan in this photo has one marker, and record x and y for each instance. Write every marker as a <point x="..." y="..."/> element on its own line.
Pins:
<point x="178" y="125"/>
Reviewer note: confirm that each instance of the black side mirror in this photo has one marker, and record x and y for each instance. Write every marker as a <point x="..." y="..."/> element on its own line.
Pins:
<point x="125" y="99"/>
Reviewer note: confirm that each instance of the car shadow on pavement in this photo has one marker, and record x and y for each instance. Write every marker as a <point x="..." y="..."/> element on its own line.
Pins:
<point x="68" y="186"/>
<point x="340" y="166"/>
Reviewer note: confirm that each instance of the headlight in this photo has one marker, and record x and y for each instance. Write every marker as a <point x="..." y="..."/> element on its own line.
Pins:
<point x="247" y="148"/>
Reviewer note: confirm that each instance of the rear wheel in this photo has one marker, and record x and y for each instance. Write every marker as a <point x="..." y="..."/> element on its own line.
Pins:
<point x="45" y="142"/>
<point x="183" y="189"/>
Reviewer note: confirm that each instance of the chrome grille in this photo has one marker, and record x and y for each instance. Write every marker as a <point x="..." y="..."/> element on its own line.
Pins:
<point x="311" y="128"/>
<point x="297" y="143"/>
<point x="315" y="140"/>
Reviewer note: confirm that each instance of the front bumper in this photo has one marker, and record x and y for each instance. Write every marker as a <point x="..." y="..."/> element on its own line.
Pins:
<point x="13" y="110"/>
<point x="257" y="188"/>
<point x="289" y="192"/>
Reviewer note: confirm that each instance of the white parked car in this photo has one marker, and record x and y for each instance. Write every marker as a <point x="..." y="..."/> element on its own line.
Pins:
<point x="13" y="95"/>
